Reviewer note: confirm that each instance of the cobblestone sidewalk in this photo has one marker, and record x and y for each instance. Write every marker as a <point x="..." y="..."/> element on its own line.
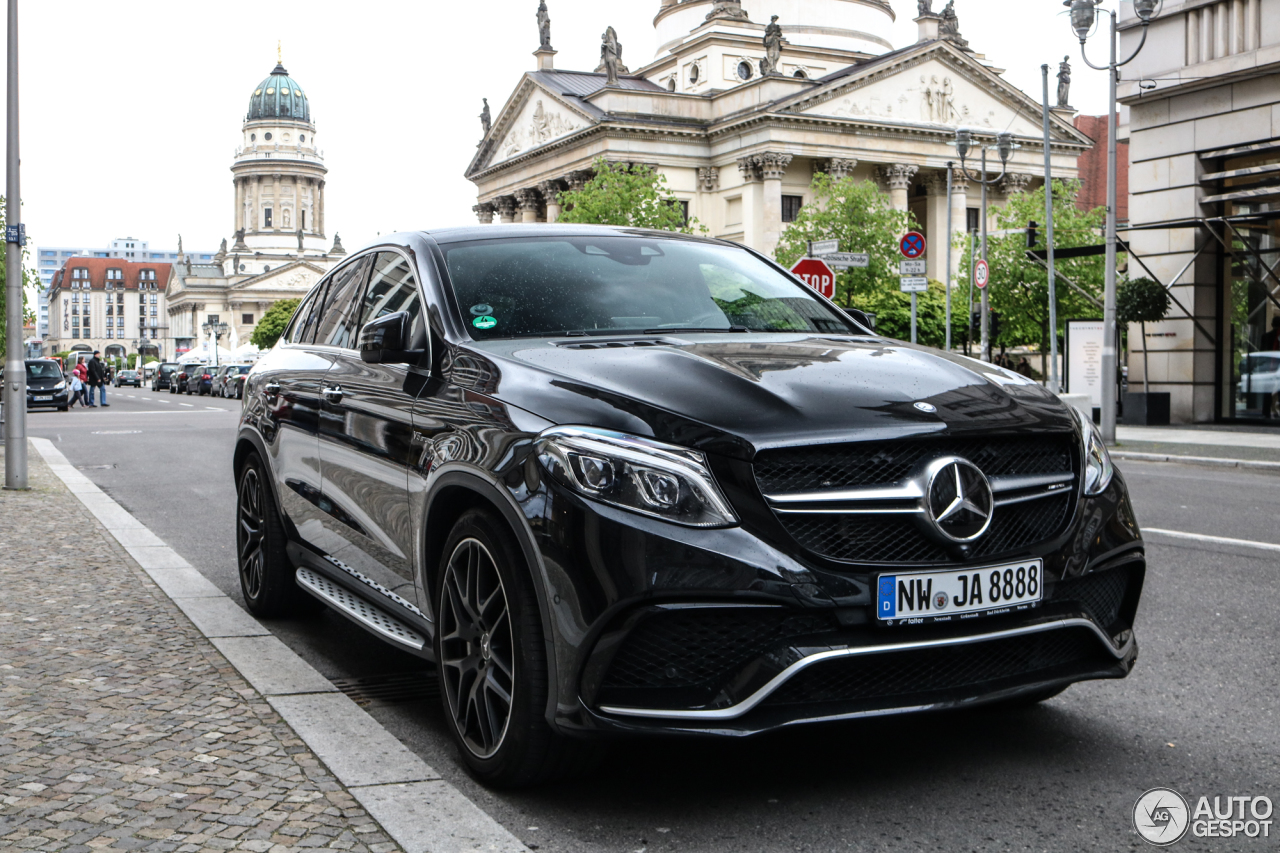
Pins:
<point x="121" y="727"/>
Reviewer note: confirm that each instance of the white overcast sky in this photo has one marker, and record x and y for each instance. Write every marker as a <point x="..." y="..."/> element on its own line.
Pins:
<point x="131" y="110"/>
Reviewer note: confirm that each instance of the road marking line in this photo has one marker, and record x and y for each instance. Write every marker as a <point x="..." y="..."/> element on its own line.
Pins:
<point x="188" y="405"/>
<point x="418" y="809"/>
<point x="216" y="409"/>
<point x="1220" y="540"/>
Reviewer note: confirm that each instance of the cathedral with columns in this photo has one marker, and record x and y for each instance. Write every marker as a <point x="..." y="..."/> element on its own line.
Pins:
<point x="744" y="100"/>
<point x="279" y="248"/>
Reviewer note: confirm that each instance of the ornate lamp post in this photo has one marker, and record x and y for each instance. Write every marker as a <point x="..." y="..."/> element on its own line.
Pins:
<point x="216" y="331"/>
<point x="1083" y="17"/>
<point x="1004" y="147"/>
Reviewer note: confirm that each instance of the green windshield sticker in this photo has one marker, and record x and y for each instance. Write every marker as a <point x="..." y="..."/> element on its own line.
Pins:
<point x="484" y="322"/>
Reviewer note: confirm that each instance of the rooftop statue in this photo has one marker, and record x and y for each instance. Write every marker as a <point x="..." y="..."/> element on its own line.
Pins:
<point x="544" y="26"/>
<point x="769" y="66"/>
<point x="611" y="56"/>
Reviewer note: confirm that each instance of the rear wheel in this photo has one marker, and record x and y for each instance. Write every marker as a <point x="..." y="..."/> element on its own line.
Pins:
<point x="492" y="660"/>
<point x="266" y="575"/>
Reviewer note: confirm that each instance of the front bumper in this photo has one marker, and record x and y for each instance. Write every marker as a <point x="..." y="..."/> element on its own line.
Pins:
<point x="58" y="400"/>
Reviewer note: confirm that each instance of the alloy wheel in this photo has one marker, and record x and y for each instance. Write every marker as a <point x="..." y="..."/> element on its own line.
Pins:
<point x="477" y="652"/>
<point x="249" y="533"/>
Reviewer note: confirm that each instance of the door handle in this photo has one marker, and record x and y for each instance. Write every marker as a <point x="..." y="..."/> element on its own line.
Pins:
<point x="271" y="389"/>
<point x="332" y="395"/>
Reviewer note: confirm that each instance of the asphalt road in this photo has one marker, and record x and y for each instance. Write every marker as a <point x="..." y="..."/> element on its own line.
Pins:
<point x="1198" y="714"/>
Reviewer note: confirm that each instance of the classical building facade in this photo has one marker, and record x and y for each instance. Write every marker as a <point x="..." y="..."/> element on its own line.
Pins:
<point x="279" y="248"/>
<point x="738" y="115"/>
<point x="1204" y="206"/>
<point x="109" y="304"/>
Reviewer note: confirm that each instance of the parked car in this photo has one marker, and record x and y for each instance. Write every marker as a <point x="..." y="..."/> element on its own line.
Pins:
<point x="199" y="379"/>
<point x="615" y="481"/>
<point x="46" y="385"/>
<point x="128" y="377"/>
<point x="1260" y="373"/>
<point x="185" y="372"/>
<point x="164" y="373"/>
<point x="229" y="380"/>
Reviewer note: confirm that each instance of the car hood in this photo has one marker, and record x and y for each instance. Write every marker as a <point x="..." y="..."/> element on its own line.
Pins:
<point x="42" y="384"/>
<point x="741" y="393"/>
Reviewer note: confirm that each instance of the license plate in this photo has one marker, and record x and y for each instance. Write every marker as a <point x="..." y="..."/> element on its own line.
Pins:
<point x="917" y="598"/>
<point x="43" y="399"/>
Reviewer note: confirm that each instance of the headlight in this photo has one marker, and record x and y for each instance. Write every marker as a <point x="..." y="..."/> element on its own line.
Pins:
<point x="1098" y="469"/>
<point x="635" y="474"/>
<point x="61" y="386"/>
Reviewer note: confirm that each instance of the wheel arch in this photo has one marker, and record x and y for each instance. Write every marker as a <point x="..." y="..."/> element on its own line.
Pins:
<point x="453" y="493"/>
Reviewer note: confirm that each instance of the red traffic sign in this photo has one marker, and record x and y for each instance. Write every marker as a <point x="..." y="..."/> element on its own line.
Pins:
<point x="912" y="245"/>
<point x="981" y="274"/>
<point x="815" y="273"/>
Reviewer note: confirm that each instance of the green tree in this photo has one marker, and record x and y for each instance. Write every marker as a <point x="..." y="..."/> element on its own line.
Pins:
<point x="860" y="216"/>
<point x="1142" y="301"/>
<point x="29" y="279"/>
<point x="1019" y="287"/>
<point x="629" y="195"/>
<point x="273" y="323"/>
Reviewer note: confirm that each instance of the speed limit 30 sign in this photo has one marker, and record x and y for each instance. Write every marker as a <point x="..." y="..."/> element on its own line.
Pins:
<point x="981" y="274"/>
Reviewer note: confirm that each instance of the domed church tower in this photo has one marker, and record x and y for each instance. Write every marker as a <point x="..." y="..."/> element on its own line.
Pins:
<point x="279" y="173"/>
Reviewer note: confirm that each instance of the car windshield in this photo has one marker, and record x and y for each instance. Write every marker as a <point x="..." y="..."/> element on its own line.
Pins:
<point x="43" y="370"/>
<point x="552" y="286"/>
<point x="1256" y="364"/>
<point x="241" y="370"/>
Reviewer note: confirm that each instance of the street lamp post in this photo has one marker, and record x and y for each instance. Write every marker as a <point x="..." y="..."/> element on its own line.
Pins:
<point x="216" y="331"/>
<point x="1083" y="17"/>
<point x="1004" y="147"/>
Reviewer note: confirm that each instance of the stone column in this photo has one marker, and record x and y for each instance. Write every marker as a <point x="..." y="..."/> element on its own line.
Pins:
<point x="319" y="204"/>
<point x="506" y="209"/>
<point x="529" y="202"/>
<point x="936" y="221"/>
<point x="1015" y="183"/>
<point x="959" y="218"/>
<point x="239" y="182"/>
<point x="898" y="177"/>
<point x="772" y="168"/>
<point x="484" y="212"/>
<point x="275" y="202"/>
<point x="837" y="168"/>
<point x="752" y="201"/>
<point x="551" y="196"/>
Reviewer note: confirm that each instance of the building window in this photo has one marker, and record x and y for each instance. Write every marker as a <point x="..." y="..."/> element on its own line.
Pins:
<point x="115" y="275"/>
<point x="211" y="318"/>
<point x="302" y="220"/>
<point x="80" y="273"/>
<point x="267" y="136"/>
<point x="791" y="205"/>
<point x="800" y="72"/>
<point x="971" y="219"/>
<point x="153" y="299"/>
<point x="246" y="319"/>
<point x="744" y="70"/>
<point x="266" y="217"/>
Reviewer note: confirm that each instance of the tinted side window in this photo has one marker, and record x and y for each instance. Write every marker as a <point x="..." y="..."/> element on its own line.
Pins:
<point x="341" y="308"/>
<point x="304" y="320"/>
<point x="392" y="287"/>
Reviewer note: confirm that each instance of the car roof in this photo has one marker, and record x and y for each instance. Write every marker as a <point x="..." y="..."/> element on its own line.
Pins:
<point x="509" y="231"/>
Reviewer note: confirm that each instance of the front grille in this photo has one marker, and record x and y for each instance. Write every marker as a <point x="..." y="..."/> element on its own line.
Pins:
<point x="703" y="647"/>
<point x="1099" y="594"/>
<point x="895" y="538"/>
<point x="919" y="672"/>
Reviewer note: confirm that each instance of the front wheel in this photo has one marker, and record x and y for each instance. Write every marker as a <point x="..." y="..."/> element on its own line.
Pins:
<point x="492" y="660"/>
<point x="266" y="575"/>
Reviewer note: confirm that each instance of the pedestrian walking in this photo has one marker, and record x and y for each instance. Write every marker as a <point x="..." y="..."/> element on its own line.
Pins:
<point x="81" y="372"/>
<point x="77" y="391"/>
<point x="98" y="379"/>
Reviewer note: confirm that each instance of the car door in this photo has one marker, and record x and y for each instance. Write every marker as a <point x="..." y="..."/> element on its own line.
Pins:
<point x="367" y="437"/>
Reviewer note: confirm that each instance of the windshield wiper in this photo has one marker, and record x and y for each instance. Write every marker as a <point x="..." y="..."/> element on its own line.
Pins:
<point x="695" y="329"/>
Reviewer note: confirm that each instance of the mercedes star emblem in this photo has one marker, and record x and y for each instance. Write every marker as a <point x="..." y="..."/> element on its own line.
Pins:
<point x="957" y="501"/>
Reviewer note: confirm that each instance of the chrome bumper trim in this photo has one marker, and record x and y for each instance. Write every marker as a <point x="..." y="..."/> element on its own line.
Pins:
<point x="746" y="705"/>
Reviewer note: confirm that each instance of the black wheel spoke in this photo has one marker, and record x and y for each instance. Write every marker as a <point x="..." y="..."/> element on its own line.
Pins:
<point x="476" y="650"/>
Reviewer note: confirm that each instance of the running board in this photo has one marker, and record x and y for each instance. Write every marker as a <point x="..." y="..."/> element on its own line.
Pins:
<point x="357" y="609"/>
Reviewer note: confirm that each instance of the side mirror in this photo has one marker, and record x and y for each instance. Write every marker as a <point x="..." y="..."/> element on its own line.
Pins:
<point x="386" y="340"/>
<point x="862" y="318"/>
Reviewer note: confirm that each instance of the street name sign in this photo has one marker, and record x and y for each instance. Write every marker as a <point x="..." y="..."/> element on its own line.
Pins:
<point x="815" y="273"/>
<point x="818" y="248"/>
<point x="914" y="284"/>
<point x="912" y="267"/>
<point x="847" y="260"/>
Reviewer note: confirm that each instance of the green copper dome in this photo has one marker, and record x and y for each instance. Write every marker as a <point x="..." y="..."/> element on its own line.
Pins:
<point x="279" y="96"/>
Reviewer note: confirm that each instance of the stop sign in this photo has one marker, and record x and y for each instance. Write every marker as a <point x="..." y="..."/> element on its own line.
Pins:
<point x="815" y="273"/>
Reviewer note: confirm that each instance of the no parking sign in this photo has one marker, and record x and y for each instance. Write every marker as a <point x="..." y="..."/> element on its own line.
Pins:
<point x="912" y="245"/>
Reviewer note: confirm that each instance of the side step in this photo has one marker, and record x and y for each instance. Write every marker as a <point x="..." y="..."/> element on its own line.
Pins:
<point x="356" y="608"/>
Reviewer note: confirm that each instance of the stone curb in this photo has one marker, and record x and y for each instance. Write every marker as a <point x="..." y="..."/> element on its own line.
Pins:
<point x="1195" y="460"/>
<point x="421" y="811"/>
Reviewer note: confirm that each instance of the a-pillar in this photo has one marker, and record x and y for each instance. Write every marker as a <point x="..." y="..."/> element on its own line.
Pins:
<point x="551" y="196"/>
<point x="506" y="209"/>
<point x="529" y="202"/>
<point x="752" y="202"/>
<point x="936" y="218"/>
<point x="773" y="167"/>
<point x="898" y="177"/>
<point x="484" y="212"/>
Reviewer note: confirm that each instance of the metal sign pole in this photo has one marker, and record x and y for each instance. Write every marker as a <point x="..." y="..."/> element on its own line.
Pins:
<point x="986" y="306"/>
<point x="968" y="326"/>
<point x="1054" y="387"/>
<point x="15" y="365"/>
<point x="946" y="273"/>
<point x="913" y="317"/>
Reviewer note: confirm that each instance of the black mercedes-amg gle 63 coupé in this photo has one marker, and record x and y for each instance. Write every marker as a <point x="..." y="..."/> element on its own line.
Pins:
<point x="618" y="481"/>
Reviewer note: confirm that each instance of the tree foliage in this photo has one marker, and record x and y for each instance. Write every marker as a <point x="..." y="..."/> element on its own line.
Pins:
<point x="628" y="195"/>
<point x="1019" y="287"/>
<point x="273" y="323"/>
<point x="1141" y="300"/>
<point x="861" y="218"/>
<point x="29" y="279"/>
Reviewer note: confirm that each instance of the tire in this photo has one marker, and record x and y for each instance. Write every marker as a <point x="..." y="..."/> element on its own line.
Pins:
<point x="239" y="390"/>
<point x="492" y="661"/>
<point x="266" y="574"/>
<point x="62" y="408"/>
